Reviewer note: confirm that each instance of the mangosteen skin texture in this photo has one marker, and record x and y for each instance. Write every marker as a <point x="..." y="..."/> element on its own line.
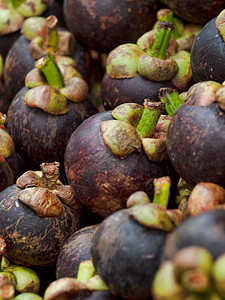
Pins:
<point x="208" y="54"/>
<point x="101" y="180"/>
<point x="6" y="175"/>
<point x="19" y="62"/>
<point x="126" y="255"/>
<point x="6" y="42"/>
<point x="206" y="230"/>
<point x="126" y="90"/>
<point x="102" y="25"/>
<point x="32" y="240"/>
<point x="42" y="137"/>
<point x="199" y="12"/>
<point x="75" y="250"/>
<point x="196" y="143"/>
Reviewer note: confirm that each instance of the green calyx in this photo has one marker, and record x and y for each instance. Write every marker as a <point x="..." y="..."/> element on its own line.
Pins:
<point x="155" y="214"/>
<point x="171" y="98"/>
<point x="152" y="215"/>
<point x="155" y="64"/>
<point x="120" y="137"/>
<point x="34" y="27"/>
<point x="10" y="19"/>
<point x="134" y="127"/>
<point x="47" y="98"/>
<point x="127" y="60"/>
<point x="27" y="279"/>
<point x="32" y="8"/>
<point x="48" y="89"/>
<point x="183" y="78"/>
<point x="122" y="61"/>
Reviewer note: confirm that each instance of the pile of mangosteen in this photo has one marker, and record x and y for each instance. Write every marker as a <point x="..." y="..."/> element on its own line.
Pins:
<point x="112" y="149"/>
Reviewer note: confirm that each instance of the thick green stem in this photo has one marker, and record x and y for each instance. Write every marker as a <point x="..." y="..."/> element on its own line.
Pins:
<point x="52" y="28"/>
<point x="162" y="191"/>
<point x="171" y="98"/>
<point x="161" y="40"/>
<point x="149" y="118"/>
<point x="48" y="66"/>
<point x="167" y="15"/>
<point x="86" y="271"/>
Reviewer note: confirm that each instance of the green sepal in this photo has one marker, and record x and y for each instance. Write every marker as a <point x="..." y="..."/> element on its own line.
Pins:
<point x="122" y="61"/>
<point x="120" y="137"/>
<point x="46" y="98"/>
<point x="152" y="215"/>
<point x="128" y="112"/>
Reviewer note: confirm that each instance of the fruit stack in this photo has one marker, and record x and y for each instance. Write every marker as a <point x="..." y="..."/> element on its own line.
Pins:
<point x="112" y="149"/>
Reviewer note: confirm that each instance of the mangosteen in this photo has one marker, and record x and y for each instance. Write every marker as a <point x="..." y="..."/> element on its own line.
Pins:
<point x="39" y="35"/>
<point x="195" y="137"/>
<point x="197" y="12"/>
<point x="38" y="214"/>
<point x="127" y="245"/>
<point x="40" y="117"/>
<point x="206" y="230"/>
<point x="75" y="250"/>
<point x="138" y="71"/>
<point x="104" y="24"/>
<point x="207" y="53"/>
<point x="115" y="153"/>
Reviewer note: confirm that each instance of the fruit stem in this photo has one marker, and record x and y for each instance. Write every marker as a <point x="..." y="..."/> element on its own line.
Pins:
<point x="52" y="33"/>
<point x="86" y="271"/>
<point x="167" y="15"/>
<point x="161" y="40"/>
<point x="162" y="191"/>
<point x="50" y="175"/>
<point x="48" y="66"/>
<point x="171" y="98"/>
<point x="149" y="118"/>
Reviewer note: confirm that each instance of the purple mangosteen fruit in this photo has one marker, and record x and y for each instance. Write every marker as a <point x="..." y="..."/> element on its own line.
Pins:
<point x="104" y="24"/>
<point x="196" y="135"/>
<point x="40" y="35"/>
<point x="38" y="214"/>
<point x="206" y="230"/>
<point x="75" y="250"/>
<point x="43" y="115"/>
<point x="127" y="245"/>
<point x="115" y="153"/>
